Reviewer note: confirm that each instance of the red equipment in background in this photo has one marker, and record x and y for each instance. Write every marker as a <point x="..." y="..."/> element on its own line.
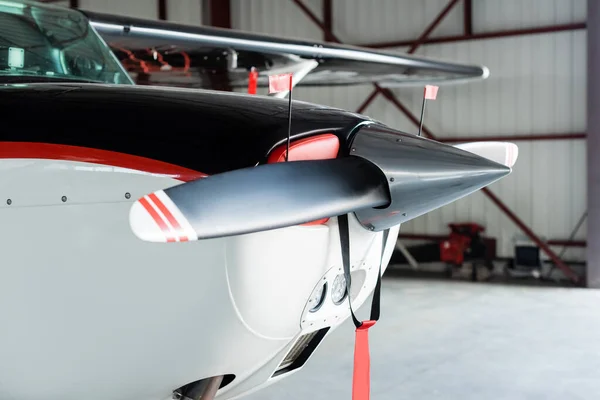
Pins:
<point x="453" y="249"/>
<point x="465" y="243"/>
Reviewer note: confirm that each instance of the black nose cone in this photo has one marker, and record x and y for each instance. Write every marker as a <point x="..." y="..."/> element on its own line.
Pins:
<point x="422" y="174"/>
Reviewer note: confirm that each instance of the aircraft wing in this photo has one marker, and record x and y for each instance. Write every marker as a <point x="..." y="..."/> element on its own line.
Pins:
<point x="159" y="52"/>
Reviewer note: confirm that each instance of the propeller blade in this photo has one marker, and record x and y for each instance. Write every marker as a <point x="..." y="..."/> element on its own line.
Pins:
<point x="501" y="152"/>
<point x="257" y="199"/>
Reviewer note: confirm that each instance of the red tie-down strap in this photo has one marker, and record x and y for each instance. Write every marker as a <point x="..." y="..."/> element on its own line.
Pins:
<point x="361" y="378"/>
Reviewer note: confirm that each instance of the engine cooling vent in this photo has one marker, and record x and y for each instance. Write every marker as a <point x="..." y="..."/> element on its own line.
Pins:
<point x="300" y="351"/>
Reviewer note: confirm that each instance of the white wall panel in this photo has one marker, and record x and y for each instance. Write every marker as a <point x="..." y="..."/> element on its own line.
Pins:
<point x="63" y="3"/>
<point x="534" y="88"/>
<point x="276" y="17"/>
<point x="537" y="85"/>
<point x="494" y="15"/>
<point x="137" y="8"/>
<point x="185" y="11"/>
<point x="391" y="20"/>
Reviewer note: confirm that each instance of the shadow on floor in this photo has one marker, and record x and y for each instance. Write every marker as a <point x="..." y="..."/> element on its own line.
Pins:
<point x="496" y="278"/>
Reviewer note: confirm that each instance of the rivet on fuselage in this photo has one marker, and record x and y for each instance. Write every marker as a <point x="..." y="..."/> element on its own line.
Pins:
<point x="9" y="202"/>
<point x="64" y="199"/>
<point x="391" y="179"/>
<point x="127" y="195"/>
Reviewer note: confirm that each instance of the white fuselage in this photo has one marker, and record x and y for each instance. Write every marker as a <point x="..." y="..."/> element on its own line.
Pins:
<point x="91" y="312"/>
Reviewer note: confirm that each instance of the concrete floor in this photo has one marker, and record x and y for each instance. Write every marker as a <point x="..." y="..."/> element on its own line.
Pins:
<point x="463" y="340"/>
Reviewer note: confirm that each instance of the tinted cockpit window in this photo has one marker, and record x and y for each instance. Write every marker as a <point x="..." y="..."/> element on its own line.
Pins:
<point x="47" y="42"/>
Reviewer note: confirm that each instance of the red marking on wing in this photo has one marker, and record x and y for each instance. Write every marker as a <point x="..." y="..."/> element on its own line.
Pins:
<point x="163" y="209"/>
<point x="157" y="218"/>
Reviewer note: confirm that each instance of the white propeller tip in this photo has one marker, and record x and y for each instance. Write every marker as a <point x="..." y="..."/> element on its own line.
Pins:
<point x="504" y="153"/>
<point x="143" y="225"/>
<point x="512" y="154"/>
<point x="155" y="218"/>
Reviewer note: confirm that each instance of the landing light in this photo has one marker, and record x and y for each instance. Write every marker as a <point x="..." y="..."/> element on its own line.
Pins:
<point x="317" y="297"/>
<point x="338" y="290"/>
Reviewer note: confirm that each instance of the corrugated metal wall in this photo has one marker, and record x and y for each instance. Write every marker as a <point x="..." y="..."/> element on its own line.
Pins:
<point x="537" y="85"/>
<point x="182" y="11"/>
<point x="137" y="8"/>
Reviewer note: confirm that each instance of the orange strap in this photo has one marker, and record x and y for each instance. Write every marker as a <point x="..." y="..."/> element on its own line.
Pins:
<point x="361" y="379"/>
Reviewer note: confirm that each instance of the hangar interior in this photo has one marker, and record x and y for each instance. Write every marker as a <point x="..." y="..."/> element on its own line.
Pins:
<point x="535" y="97"/>
<point x="533" y="335"/>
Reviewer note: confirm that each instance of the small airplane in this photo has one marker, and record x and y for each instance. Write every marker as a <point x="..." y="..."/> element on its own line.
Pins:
<point x="156" y="243"/>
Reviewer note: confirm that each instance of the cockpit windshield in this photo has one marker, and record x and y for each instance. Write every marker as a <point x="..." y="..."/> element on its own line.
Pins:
<point x="49" y="43"/>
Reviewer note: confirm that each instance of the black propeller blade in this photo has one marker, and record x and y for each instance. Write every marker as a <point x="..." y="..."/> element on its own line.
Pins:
<point x="261" y="198"/>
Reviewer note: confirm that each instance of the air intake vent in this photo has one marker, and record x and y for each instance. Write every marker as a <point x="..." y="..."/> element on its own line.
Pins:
<point x="300" y="351"/>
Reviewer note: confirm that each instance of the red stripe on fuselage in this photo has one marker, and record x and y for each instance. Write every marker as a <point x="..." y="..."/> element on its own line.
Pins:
<point x="157" y="218"/>
<point x="163" y="209"/>
<point x="48" y="151"/>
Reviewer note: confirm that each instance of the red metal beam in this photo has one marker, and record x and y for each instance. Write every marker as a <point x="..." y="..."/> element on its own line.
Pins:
<point x="220" y="13"/>
<point x="425" y="35"/>
<point x="515" y="138"/>
<point x="316" y="20"/>
<point x="509" y="213"/>
<point x="414" y="46"/>
<point x="327" y="20"/>
<point x="422" y="236"/>
<point x="567" y="243"/>
<point x="468" y="17"/>
<point x="368" y="100"/>
<point x="438" y="238"/>
<point x="483" y="35"/>
<point x="162" y="9"/>
<point x="390" y="96"/>
<point x="513" y="217"/>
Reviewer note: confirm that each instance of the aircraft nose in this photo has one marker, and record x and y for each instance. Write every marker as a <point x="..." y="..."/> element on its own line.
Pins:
<point x="422" y="174"/>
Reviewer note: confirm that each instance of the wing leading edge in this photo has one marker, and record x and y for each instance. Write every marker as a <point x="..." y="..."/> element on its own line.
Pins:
<point x="205" y="57"/>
